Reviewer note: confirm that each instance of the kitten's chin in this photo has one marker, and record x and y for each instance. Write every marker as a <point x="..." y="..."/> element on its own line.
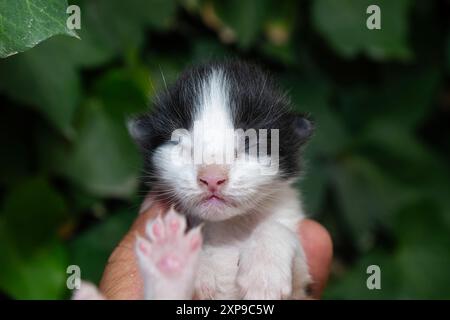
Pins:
<point x="214" y="212"/>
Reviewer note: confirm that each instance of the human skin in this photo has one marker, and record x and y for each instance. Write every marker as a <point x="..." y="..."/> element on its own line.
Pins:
<point x="121" y="278"/>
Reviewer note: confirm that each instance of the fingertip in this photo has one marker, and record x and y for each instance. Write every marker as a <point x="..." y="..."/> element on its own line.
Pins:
<point x="317" y="236"/>
<point x="318" y="246"/>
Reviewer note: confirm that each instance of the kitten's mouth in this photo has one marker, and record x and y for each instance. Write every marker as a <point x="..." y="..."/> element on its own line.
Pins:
<point x="214" y="200"/>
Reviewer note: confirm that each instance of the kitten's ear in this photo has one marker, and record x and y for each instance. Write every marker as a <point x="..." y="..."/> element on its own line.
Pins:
<point x="304" y="127"/>
<point x="140" y="129"/>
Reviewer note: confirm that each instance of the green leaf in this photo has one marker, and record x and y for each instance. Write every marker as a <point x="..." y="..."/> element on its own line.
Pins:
<point x="352" y="284"/>
<point x="279" y="27"/>
<point x="415" y="269"/>
<point x="91" y="249"/>
<point x="158" y="14"/>
<point x="104" y="161"/>
<point x="111" y="27"/>
<point x="124" y="92"/>
<point x="411" y="272"/>
<point x="25" y="23"/>
<point x="311" y="95"/>
<point x="426" y="224"/>
<point x="16" y="164"/>
<point x="39" y="274"/>
<point x="366" y="197"/>
<point x="44" y="79"/>
<point x="245" y="18"/>
<point x="119" y="94"/>
<point x="424" y="271"/>
<point x="165" y="69"/>
<point x="206" y="49"/>
<point x="405" y="98"/>
<point x="313" y="182"/>
<point x="85" y="52"/>
<point x="423" y="250"/>
<point x="34" y="210"/>
<point x="283" y="53"/>
<point x="392" y="146"/>
<point x="343" y="25"/>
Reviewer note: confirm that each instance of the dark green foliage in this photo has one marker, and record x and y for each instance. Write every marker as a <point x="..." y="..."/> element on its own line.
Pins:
<point x="25" y="23"/>
<point x="377" y="171"/>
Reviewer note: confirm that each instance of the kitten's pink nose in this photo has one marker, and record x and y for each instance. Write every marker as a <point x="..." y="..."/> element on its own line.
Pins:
<point x="212" y="176"/>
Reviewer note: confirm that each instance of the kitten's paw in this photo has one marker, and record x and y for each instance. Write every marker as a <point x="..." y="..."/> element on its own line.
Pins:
<point x="264" y="281"/>
<point x="87" y="291"/>
<point x="169" y="255"/>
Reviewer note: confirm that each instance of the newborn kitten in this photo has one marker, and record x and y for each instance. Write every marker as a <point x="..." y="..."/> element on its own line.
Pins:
<point x="223" y="147"/>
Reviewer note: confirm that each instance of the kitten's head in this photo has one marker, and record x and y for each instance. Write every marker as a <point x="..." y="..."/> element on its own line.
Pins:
<point x="220" y="140"/>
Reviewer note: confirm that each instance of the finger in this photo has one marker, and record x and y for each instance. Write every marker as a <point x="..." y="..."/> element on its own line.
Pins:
<point x="121" y="279"/>
<point x="318" y="248"/>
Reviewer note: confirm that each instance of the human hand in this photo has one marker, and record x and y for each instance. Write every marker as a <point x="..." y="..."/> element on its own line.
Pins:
<point x="121" y="278"/>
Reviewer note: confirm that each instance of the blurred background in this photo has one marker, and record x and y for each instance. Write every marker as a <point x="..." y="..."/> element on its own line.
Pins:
<point x="378" y="169"/>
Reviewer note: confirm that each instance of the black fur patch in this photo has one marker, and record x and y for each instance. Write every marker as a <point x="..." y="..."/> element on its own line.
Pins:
<point x="256" y="102"/>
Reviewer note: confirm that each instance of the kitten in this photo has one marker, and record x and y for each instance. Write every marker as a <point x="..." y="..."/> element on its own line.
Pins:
<point x="222" y="145"/>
